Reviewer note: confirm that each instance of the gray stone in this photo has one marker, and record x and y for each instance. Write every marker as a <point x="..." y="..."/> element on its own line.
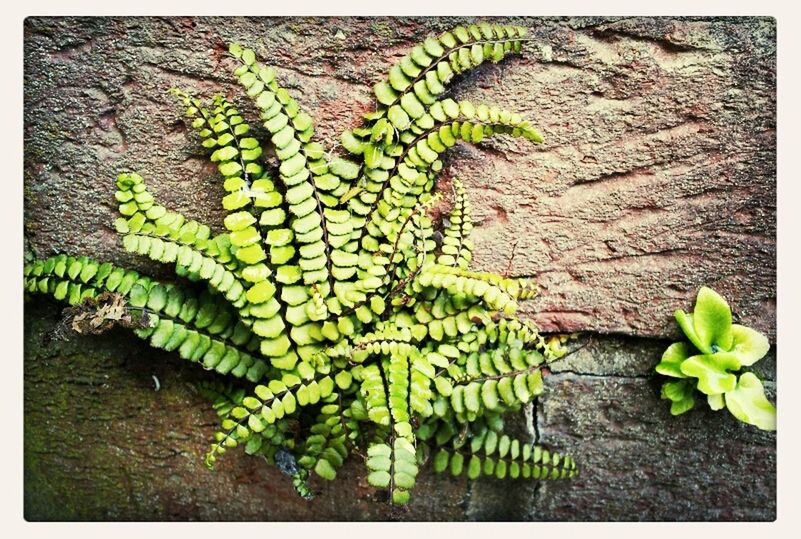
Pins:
<point x="640" y="463"/>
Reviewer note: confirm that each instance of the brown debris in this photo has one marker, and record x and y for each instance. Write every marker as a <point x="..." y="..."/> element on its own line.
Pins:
<point x="97" y="315"/>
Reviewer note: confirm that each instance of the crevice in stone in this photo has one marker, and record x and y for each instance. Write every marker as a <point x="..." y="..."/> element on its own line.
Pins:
<point x="466" y="503"/>
<point x="596" y="375"/>
<point x="532" y="421"/>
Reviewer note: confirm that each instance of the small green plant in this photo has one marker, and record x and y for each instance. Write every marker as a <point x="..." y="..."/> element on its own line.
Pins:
<point x="711" y="361"/>
<point x="359" y="329"/>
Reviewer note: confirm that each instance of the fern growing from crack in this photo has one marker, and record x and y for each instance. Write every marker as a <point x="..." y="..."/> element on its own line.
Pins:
<point x="329" y="289"/>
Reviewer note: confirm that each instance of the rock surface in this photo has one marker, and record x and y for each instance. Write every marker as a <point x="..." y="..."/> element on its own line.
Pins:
<point x="657" y="177"/>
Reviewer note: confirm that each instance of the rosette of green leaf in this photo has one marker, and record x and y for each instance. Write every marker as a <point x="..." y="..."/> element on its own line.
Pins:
<point x="711" y="360"/>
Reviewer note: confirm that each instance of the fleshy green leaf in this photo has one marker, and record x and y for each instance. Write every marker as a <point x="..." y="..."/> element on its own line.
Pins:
<point x="716" y="402"/>
<point x="680" y="393"/>
<point x="747" y="402"/>
<point x="324" y="469"/>
<point x="711" y="371"/>
<point x="686" y="323"/>
<point x="385" y="94"/>
<point x="673" y="358"/>
<point x="712" y="319"/>
<point x="398" y="117"/>
<point x="379" y="479"/>
<point x="748" y="345"/>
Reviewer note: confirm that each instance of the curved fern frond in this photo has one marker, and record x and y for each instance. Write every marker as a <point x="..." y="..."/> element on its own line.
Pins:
<point x="497" y="293"/>
<point x="252" y="197"/>
<point x="442" y="126"/>
<point x="223" y="396"/>
<point x="423" y="74"/>
<point x="271" y="442"/>
<point x="192" y="262"/>
<point x="492" y="380"/>
<point x="200" y="327"/>
<point x="142" y="215"/>
<point x="291" y="131"/>
<point x="197" y="111"/>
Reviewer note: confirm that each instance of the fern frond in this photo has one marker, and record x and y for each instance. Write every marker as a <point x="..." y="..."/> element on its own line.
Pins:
<point x="502" y="456"/>
<point x="424" y="73"/>
<point x="398" y="394"/>
<point x="146" y="217"/>
<point x="373" y="390"/>
<point x="201" y="328"/>
<point x="191" y="261"/>
<point x="497" y="293"/>
<point x="442" y="126"/>
<point x="325" y="449"/>
<point x="223" y="396"/>
<point x="291" y="131"/>
<point x="457" y="248"/>
<point x="494" y="379"/>
<point x="280" y="397"/>
<point x="393" y="467"/>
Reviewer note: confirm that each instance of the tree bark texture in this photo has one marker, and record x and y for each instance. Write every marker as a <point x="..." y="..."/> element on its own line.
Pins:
<point x="657" y="177"/>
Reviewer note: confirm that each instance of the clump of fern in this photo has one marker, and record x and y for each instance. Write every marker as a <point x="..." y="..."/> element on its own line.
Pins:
<point x="362" y="329"/>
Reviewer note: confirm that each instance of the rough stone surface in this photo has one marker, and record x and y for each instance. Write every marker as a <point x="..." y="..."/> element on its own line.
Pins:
<point x="657" y="176"/>
<point x="643" y="464"/>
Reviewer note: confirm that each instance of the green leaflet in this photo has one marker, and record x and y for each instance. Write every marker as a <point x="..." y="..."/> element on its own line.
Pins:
<point x="385" y="94"/>
<point x="399" y="118"/>
<point x="351" y="143"/>
<point x="748" y="345"/>
<point x="712" y="319"/>
<point x="412" y="106"/>
<point x="673" y="358"/>
<point x="747" y="402"/>
<point x="680" y="394"/>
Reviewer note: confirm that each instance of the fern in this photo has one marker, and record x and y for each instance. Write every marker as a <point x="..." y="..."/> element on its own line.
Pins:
<point x="329" y="289"/>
